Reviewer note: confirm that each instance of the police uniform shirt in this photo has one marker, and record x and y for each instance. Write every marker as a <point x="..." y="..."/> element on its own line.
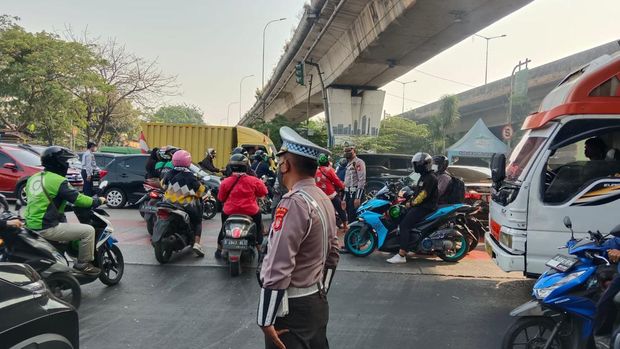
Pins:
<point x="355" y="177"/>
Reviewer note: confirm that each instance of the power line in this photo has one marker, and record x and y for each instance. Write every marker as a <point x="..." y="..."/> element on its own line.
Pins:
<point x="442" y="78"/>
<point x="407" y="99"/>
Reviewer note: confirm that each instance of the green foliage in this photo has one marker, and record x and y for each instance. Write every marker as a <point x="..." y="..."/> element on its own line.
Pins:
<point x="49" y="86"/>
<point x="447" y="117"/>
<point x="178" y="114"/>
<point x="406" y="135"/>
<point x="272" y="128"/>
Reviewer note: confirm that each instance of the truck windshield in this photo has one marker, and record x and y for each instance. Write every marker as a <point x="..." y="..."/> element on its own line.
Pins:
<point x="522" y="156"/>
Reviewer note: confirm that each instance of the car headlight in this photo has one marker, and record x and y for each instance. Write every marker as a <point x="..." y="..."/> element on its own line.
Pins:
<point x="542" y="293"/>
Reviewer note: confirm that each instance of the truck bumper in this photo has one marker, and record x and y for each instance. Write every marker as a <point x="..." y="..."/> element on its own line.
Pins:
<point x="504" y="259"/>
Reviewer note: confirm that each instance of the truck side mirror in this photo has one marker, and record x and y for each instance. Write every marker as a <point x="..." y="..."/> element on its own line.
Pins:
<point x="616" y="231"/>
<point x="569" y="224"/>
<point x="498" y="167"/>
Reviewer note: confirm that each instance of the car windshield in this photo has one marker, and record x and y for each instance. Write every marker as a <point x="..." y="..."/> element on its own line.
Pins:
<point x="25" y="157"/>
<point x="471" y="174"/>
<point x="521" y="157"/>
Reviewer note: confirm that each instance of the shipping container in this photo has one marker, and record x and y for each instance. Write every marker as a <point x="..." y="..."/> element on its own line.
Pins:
<point x="198" y="138"/>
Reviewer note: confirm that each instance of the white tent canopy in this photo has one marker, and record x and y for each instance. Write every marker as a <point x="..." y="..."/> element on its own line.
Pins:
<point x="478" y="142"/>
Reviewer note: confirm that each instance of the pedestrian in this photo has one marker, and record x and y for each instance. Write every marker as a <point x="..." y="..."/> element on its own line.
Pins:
<point x="331" y="185"/>
<point x="302" y="253"/>
<point x="354" y="181"/>
<point x="89" y="166"/>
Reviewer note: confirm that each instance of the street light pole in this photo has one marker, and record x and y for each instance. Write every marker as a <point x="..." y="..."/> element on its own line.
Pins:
<point x="405" y="83"/>
<point x="240" y="90"/>
<point x="486" y="64"/>
<point x="263" y="70"/>
<point x="228" y="112"/>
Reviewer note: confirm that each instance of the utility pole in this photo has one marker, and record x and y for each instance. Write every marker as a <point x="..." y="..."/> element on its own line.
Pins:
<point x="240" y="90"/>
<point x="308" y="105"/>
<point x="512" y="76"/>
<point x="486" y="64"/>
<point x="263" y="70"/>
<point x="325" y="103"/>
<point x="404" y="83"/>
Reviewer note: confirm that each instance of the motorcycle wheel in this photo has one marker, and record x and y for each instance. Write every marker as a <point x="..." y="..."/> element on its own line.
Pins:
<point x="459" y="253"/>
<point x="531" y="332"/>
<point x="234" y="267"/>
<point x="66" y="288"/>
<point x="162" y="254"/>
<point x="358" y="243"/>
<point x="112" y="265"/>
<point x="209" y="211"/>
<point x="150" y="224"/>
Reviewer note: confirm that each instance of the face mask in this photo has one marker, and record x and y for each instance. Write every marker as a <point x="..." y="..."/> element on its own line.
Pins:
<point x="348" y="155"/>
<point x="280" y="176"/>
<point x="435" y="168"/>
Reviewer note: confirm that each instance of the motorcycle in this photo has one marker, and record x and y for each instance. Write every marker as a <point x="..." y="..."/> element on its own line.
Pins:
<point x="240" y="235"/>
<point x="173" y="231"/>
<point x="561" y="315"/>
<point x="148" y="203"/>
<point x="53" y="260"/>
<point x="377" y="228"/>
<point x="210" y="206"/>
<point x="266" y="203"/>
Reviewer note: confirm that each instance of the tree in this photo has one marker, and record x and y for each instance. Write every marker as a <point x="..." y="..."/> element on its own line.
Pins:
<point x="407" y="136"/>
<point x="272" y="128"/>
<point x="448" y="116"/>
<point x="37" y="73"/>
<point x="178" y="114"/>
<point x="123" y="77"/>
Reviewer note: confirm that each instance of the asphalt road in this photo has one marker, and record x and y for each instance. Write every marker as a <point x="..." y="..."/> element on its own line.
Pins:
<point x="193" y="303"/>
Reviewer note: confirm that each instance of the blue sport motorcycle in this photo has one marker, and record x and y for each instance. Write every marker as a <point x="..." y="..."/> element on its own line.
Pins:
<point x="561" y="316"/>
<point x="377" y="228"/>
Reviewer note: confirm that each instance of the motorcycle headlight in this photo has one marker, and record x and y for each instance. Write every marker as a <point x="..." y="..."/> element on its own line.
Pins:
<point x="542" y="293"/>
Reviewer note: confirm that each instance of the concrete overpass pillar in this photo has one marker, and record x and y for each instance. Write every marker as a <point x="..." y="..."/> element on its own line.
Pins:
<point x="354" y="112"/>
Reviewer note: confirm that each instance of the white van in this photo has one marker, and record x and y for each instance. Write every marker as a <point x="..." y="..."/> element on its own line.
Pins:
<point x="566" y="164"/>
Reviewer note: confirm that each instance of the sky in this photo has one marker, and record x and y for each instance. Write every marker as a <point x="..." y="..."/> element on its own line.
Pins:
<point x="210" y="45"/>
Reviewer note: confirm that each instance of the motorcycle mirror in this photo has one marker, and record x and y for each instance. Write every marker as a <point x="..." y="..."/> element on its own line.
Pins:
<point x="568" y="223"/>
<point x="616" y="231"/>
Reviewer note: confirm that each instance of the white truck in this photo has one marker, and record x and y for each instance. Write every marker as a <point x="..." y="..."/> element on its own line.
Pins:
<point x="566" y="164"/>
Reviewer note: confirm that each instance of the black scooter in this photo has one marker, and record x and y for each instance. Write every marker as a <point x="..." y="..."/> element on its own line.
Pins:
<point x="239" y="241"/>
<point x="148" y="203"/>
<point x="173" y="231"/>
<point x="53" y="260"/>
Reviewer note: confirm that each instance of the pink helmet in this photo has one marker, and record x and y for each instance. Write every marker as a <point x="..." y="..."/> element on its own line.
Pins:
<point x="181" y="158"/>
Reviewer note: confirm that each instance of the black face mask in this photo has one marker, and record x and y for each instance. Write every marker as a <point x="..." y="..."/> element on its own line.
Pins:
<point x="348" y="155"/>
<point x="280" y="177"/>
<point x="59" y="169"/>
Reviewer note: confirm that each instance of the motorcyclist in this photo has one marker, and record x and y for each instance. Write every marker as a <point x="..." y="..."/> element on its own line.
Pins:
<point x="341" y="169"/>
<point x="151" y="162"/>
<point x="238" y="150"/>
<point x="239" y="193"/>
<point x="185" y="190"/>
<point x="207" y="162"/>
<point x="164" y="165"/>
<point x="263" y="168"/>
<point x="606" y="309"/>
<point x="422" y="203"/>
<point x="257" y="158"/>
<point x="331" y="185"/>
<point x="440" y="165"/>
<point x="48" y="193"/>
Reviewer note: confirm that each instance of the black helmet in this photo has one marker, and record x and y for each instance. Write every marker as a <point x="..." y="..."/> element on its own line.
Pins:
<point x="239" y="150"/>
<point x="441" y="162"/>
<point x="422" y="163"/>
<point x="238" y="163"/>
<point x="54" y="159"/>
<point x="258" y="155"/>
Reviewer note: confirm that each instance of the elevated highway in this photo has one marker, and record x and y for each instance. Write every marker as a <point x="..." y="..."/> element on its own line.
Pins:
<point x="361" y="45"/>
<point x="490" y="102"/>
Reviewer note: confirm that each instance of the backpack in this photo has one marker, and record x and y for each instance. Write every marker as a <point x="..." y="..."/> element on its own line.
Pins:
<point x="455" y="194"/>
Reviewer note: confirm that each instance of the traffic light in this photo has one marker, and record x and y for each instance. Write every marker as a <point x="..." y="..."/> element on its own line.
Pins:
<point x="299" y="73"/>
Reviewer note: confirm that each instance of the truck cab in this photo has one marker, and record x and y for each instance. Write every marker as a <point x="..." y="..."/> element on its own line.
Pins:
<point x="566" y="164"/>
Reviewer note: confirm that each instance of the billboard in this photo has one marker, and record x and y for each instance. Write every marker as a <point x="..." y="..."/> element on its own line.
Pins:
<point x="352" y="116"/>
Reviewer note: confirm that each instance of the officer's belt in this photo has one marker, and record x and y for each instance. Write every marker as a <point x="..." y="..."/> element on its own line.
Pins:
<point x="351" y="189"/>
<point x="294" y="292"/>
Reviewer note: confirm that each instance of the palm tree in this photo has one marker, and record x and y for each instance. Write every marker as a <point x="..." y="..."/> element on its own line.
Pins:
<point x="436" y="132"/>
<point x="448" y="115"/>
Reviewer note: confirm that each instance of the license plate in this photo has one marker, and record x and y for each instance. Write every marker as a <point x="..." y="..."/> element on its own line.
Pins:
<point x="234" y="244"/>
<point x="148" y="209"/>
<point x="96" y="184"/>
<point x="489" y="249"/>
<point x="561" y="263"/>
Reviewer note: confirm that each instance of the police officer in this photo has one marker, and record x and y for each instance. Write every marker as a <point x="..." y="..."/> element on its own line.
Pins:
<point x="302" y="253"/>
<point x="354" y="181"/>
